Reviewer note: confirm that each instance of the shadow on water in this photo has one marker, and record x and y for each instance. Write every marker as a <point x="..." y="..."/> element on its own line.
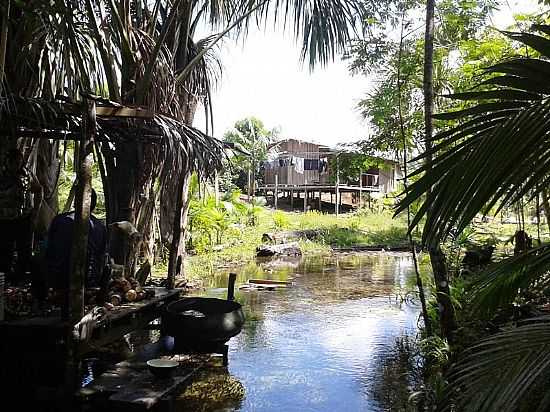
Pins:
<point x="338" y="339"/>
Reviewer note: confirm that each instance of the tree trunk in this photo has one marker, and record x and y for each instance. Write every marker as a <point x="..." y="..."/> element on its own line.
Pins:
<point x="4" y="40"/>
<point x="177" y="247"/>
<point x="125" y="190"/>
<point x="445" y="307"/>
<point x="446" y="310"/>
<point x="419" y="283"/>
<point x="546" y="206"/>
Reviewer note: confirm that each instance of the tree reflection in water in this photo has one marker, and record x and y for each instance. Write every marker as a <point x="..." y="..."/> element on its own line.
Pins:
<point x="396" y="376"/>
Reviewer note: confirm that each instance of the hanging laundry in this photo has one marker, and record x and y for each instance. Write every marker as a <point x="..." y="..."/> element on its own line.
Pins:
<point x="299" y="165"/>
<point x="311" y="164"/>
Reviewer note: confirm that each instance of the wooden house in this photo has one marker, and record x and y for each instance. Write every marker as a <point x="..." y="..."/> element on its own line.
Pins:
<point x="296" y="162"/>
<point x="293" y="162"/>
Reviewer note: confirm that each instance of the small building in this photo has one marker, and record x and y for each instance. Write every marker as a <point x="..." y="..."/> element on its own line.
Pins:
<point x="385" y="177"/>
<point x="295" y="162"/>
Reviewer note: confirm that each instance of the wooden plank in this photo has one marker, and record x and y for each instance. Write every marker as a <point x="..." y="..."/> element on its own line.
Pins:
<point x="136" y="112"/>
<point x="144" y="392"/>
<point x="129" y="385"/>
<point x="161" y="295"/>
<point x="125" y="319"/>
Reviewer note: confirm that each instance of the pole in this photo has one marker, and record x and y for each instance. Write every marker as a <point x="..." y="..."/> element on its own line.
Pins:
<point x="320" y="200"/>
<point x="305" y="196"/>
<point x="291" y="199"/>
<point x="4" y="41"/>
<point x="337" y="188"/>
<point x="249" y="183"/>
<point x="360" y="188"/>
<point x="276" y="191"/>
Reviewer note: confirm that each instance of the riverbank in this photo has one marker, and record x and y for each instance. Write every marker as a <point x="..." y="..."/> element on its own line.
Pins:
<point x="359" y="230"/>
<point x="239" y="243"/>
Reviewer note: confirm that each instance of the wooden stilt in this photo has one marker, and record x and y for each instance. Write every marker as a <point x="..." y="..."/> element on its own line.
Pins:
<point x="361" y="189"/>
<point x="337" y="187"/>
<point x="305" y="197"/>
<point x="276" y="191"/>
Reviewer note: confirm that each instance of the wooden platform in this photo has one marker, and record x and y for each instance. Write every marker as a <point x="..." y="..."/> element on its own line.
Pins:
<point x="130" y="386"/>
<point x="34" y="349"/>
<point x="125" y="318"/>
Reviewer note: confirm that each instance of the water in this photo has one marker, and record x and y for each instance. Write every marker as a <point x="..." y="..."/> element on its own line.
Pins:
<point x="334" y="341"/>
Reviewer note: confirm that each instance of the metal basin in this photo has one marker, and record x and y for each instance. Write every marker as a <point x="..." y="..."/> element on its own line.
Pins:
<point x="202" y="322"/>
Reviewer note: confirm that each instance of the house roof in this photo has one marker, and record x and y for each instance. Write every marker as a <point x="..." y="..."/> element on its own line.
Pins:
<point x="321" y="148"/>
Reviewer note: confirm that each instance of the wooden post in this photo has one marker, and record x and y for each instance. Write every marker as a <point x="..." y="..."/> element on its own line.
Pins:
<point x="4" y="40"/>
<point x="231" y="286"/>
<point x="291" y="199"/>
<point x="276" y="191"/>
<point x="73" y="305"/>
<point x="361" y="189"/>
<point x="320" y="201"/>
<point x="337" y="187"/>
<point x="305" y="197"/>
<point x="75" y="298"/>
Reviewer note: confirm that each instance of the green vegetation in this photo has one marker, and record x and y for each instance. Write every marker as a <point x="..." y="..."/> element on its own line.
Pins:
<point x="252" y="139"/>
<point x="239" y="242"/>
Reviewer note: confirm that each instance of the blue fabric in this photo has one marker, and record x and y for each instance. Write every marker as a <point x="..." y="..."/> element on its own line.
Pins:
<point x="59" y="247"/>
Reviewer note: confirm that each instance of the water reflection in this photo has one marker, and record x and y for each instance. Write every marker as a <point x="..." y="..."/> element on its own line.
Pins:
<point x="325" y="343"/>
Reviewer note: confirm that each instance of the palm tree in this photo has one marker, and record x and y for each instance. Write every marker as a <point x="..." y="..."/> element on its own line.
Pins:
<point x="495" y="156"/>
<point x="146" y="53"/>
<point x="437" y="258"/>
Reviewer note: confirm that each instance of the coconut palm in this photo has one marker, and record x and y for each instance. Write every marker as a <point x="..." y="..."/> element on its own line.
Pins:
<point x="496" y="155"/>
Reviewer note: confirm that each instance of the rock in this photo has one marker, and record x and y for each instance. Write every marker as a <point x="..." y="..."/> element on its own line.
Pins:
<point x="285" y="249"/>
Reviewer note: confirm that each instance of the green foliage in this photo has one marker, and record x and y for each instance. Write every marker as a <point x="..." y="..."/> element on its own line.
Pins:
<point x="280" y="220"/>
<point x="399" y="63"/>
<point x="239" y="242"/>
<point x="493" y="155"/>
<point x="351" y="162"/>
<point x="483" y="151"/>
<point x="504" y="372"/>
<point x="252" y="138"/>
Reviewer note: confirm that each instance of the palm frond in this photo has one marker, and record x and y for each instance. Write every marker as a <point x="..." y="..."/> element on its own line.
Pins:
<point x="502" y="283"/>
<point x="502" y="371"/>
<point x="324" y="27"/>
<point x="495" y="155"/>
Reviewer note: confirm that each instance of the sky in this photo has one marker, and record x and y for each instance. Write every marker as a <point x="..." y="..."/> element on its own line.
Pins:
<point x="263" y="77"/>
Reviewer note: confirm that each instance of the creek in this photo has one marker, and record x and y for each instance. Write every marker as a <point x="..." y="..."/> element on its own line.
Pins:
<point x="341" y="338"/>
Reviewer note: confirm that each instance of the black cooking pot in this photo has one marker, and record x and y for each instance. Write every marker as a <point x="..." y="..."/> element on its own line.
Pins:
<point x="199" y="322"/>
